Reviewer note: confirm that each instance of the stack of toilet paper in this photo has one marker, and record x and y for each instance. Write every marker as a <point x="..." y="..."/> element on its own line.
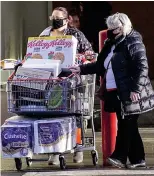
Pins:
<point x="55" y="135"/>
<point x="23" y="136"/>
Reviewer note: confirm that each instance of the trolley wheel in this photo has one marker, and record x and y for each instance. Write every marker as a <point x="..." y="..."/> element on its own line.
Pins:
<point x="18" y="163"/>
<point x="62" y="162"/>
<point x="94" y="155"/>
<point x="29" y="163"/>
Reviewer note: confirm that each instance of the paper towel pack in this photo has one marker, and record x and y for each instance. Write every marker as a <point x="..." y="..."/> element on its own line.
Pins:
<point x="16" y="141"/>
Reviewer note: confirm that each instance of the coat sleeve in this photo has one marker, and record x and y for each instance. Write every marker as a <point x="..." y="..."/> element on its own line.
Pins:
<point x="139" y="64"/>
<point x="94" y="68"/>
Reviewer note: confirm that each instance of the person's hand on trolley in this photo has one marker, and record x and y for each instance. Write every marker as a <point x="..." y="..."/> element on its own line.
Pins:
<point x="75" y="69"/>
<point x="134" y="96"/>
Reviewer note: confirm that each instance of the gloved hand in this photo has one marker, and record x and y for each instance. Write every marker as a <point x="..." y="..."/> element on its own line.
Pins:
<point x="16" y="66"/>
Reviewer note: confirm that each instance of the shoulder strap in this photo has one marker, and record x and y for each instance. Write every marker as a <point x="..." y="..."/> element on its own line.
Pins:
<point x="108" y="65"/>
<point x="106" y="69"/>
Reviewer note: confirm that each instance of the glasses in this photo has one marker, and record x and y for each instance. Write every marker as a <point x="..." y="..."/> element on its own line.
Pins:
<point x="57" y="18"/>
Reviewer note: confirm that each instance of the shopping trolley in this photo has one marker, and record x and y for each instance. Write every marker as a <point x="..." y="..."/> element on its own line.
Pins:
<point x="69" y="96"/>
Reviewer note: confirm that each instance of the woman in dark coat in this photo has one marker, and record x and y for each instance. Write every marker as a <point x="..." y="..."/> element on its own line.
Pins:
<point x="129" y="92"/>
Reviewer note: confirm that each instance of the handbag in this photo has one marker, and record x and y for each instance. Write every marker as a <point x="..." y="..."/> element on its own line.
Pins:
<point x="100" y="93"/>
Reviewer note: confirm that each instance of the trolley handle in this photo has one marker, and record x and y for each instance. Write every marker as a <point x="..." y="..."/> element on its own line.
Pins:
<point x="38" y="79"/>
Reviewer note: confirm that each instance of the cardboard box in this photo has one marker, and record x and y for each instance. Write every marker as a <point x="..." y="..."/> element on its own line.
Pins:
<point x="57" y="48"/>
<point x="54" y="66"/>
<point x="27" y="77"/>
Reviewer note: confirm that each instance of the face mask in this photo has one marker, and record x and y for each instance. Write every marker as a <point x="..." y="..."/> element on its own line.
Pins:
<point x="57" y="23"/>
<point x="111" y="35"/>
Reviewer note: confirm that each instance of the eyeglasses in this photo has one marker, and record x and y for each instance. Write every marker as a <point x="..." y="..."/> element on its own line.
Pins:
<point x="56" y="18"/>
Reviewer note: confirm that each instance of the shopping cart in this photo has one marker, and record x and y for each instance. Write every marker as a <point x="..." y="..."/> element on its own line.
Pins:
<point x="70" y="96"/>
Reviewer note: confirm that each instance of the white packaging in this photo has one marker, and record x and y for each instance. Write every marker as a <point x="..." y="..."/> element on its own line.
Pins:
<point x="58" y="48"/>
<point x="54" y="66"/>
<point x="22" y="120"/>
<point x="52" y="136"/>
<point x="16" y="141"/>
<point x="31" y="74"/>
<point x="17" y="118"/>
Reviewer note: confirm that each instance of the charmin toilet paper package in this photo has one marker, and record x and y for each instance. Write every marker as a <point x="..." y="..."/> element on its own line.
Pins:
<point x="53" y="135"/>
<point x="16" y="141"/>
<point x="61" y="48"/>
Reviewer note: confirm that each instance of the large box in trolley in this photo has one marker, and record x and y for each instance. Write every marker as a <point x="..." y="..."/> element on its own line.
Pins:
<point x="57" y="48"/>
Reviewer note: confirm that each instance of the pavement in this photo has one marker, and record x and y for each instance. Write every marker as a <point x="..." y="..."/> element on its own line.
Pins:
<point x="85" y="168"/>
<point x="86" y="172"/>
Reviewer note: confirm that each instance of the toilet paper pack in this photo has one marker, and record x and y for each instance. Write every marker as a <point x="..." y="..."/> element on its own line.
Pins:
<point x="53" y="135"/>
<point x="16" y="141"/>
<point x="22" y="120"/>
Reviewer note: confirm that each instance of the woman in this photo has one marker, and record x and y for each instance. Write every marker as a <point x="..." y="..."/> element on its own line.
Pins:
<point x="59" y="27"/>
<point x="129" y="92"/>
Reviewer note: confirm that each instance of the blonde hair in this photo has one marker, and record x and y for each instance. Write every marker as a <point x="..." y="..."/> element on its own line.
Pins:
<point x="119" y="20"/>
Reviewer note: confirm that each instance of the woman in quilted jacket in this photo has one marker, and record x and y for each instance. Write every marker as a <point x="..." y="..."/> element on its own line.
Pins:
<point x="129" y="92"/>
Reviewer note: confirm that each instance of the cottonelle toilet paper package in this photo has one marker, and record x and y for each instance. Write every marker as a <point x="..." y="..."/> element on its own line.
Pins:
<point x="16" y="141"/>
<point x="46" y="135"/>
<point x="61" y="48"/>
<point x="54" y="135"/>
<point x="21" y="120"/>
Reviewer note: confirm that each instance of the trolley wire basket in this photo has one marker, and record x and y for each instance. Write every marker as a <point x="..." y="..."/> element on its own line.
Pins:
<point x="72" y="95"/>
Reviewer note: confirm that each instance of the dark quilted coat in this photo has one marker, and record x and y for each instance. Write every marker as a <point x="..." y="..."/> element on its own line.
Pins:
<point x="130" y="68"/>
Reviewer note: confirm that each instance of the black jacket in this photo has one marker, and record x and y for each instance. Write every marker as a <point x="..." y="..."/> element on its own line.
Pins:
<point x="130" y="68"/>
<point x="82" y="45"/>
